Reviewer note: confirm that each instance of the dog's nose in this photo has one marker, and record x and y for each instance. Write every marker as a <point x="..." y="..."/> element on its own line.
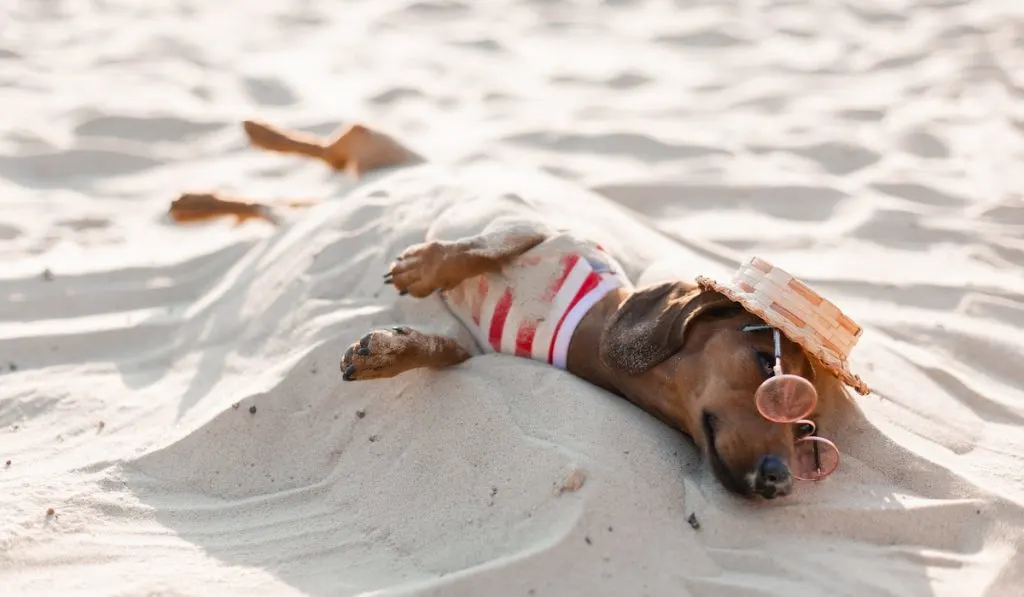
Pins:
<point x="772" y="478"/>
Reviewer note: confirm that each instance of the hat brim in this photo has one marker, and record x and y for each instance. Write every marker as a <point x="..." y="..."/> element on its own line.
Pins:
<point x="839" y="367"/>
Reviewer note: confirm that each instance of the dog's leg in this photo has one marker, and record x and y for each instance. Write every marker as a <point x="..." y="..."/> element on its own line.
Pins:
<point x="386" y="353"/>
<point x="421" y="269"/>
<point x="356" y="150"/>
<point x="441" y="265"/>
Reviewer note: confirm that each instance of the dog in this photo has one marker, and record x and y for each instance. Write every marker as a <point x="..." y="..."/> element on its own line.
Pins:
<point x="684" y="352"/>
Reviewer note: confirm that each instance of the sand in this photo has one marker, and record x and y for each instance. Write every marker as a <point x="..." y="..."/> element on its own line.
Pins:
<point x="173" y="393"/>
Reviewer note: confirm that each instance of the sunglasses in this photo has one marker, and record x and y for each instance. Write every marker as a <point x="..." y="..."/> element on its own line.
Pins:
<point x="789" y="399"/>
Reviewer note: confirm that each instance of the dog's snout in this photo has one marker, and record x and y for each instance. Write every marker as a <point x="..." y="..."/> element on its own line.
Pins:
<point x="772" y="477"/>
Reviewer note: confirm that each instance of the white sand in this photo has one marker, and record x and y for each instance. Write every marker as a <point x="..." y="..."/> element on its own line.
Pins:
<point x="872" y="148"/>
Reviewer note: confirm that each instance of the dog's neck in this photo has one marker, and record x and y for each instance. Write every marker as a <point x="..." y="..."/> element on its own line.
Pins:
<point x="648" y="391"/>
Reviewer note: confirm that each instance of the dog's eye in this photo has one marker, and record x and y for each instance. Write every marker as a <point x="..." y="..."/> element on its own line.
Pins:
<point x="767" y="362"/>
<point x="805" y="429"/>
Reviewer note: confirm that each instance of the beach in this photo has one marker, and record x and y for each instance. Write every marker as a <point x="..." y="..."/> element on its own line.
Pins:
<point x="173" y="421"/>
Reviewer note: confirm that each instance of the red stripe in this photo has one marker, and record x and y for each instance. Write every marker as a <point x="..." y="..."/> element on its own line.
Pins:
<point x="568" y="262"/>
<point x="478" y="300"/>
<point x="590" y="283"/>
<point x="498" y="321"/>
<point x="524" y="339"/>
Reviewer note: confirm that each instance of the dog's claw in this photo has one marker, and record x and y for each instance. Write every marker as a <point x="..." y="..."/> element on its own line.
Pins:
<point x="403" y="292"/>
<point x="363" y="352"/>
<point x="364" y="342"/>
<point x="401" y="331"/>
<point x="347" y="358"/>
<point x="347" y="375"/>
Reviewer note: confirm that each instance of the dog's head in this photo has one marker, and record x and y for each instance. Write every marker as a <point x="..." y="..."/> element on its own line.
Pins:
<point x="687" y="356"/>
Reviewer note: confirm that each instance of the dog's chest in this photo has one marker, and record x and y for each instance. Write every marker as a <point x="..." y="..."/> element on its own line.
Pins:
<point x="531" y="308"/>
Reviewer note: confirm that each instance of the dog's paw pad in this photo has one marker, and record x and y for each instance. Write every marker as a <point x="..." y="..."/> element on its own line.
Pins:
<point x="381" y="353"/>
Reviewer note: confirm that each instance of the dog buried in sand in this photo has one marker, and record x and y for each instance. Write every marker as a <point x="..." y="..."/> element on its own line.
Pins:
<point x="745" y="367"/>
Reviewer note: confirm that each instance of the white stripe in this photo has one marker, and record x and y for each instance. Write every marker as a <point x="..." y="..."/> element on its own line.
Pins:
<point x="511" y="331"/>
<point x="546" y="330"/>
<point x="573" y="318"/>
<point x="496" y="286"/>
<point x="462" y="312"/>
<point x="465" y="312"/>
<point x="559" y="304"/>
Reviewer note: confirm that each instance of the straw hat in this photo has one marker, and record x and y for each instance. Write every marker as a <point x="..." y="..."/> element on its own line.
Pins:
<point x="802" y="315"/>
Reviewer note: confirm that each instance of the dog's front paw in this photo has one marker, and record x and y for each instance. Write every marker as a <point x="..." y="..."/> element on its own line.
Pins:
<point x="423" y="268"/>
<point x="381" y="353"/>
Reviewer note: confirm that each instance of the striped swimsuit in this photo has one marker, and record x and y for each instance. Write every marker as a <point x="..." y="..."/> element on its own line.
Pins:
<point x="534" y="304"/>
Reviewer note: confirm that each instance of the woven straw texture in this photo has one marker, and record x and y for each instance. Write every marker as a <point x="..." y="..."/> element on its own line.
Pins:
<point x="803" y="315"/>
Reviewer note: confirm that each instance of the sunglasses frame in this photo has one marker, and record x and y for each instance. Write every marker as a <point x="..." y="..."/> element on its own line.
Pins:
<point x="810" y="439"/>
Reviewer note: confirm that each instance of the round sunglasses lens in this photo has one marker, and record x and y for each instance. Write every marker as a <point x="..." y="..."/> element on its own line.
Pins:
<point x="785" y="398"/>
<point x="814" y="458"/>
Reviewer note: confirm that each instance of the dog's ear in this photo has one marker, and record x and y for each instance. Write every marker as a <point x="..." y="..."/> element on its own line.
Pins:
<point x="650" y="325"/>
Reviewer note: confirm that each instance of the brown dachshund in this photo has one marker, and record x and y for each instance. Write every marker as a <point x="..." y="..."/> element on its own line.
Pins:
<point x="690" y="357"/>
